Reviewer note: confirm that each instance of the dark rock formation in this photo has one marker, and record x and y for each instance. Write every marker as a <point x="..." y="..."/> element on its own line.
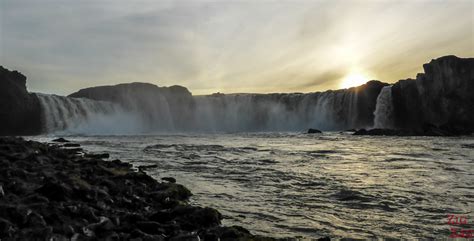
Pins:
<point x="425" y="130"/>
<point x="384" y="132"/>
<point x="50" y="193"/>
<point x="366" y="96"/>
<point x="19" y="111"/>
<point x="61" y="140"/>
<point x="442" y="96"/>
<point x="313" y="131"/>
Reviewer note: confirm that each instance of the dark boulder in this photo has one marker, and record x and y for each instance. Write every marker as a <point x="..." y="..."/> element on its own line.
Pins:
<point x="425" y="130"/>
<point x="98" y="155"/>
<point x="383" y="132"/>
<point x="55" y="191"/>
<point x="61" y="140"/>
<point x="313" y="131"/>
<point x="169" y="179"/>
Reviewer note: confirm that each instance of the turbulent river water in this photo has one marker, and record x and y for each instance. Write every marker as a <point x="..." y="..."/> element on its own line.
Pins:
<point x="309" y="186"/>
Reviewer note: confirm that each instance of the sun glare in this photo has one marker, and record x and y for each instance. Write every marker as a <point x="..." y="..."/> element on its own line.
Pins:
<point x="352" y="80"/>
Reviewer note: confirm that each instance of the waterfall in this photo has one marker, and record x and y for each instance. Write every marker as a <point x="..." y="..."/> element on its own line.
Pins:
<point x="383" y="114"/>
<point x="334" y="110"/>
<point x="80" y="115"/>
<point x="157" y="113"/>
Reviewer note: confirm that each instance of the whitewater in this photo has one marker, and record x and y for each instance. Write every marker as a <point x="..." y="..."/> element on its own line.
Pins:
<point x="290" y="184"/>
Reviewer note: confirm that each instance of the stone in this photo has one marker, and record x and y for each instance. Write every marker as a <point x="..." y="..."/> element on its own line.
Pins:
<point x="61" y="140"/>
<point x="169" y="179"/>
<point x="54" y="191"/>
<point x="99" y="156"/>
<point x="145" y="167"/>
<point x="150" y="227"/>
<point x="313" y="131"/>
<point x="72" y="145"/>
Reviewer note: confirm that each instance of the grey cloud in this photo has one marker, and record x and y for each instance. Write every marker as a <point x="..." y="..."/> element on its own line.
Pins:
<point x="237" y="46"/>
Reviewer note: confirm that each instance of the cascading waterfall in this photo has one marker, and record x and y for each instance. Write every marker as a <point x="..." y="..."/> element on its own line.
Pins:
<point x="80" y="115"/>
<point x="334" y="110"/>
<point x="330" y="110"/>
<point x="383" y="114"/>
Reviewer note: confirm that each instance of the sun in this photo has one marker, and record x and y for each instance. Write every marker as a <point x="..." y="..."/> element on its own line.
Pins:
<point x="352" y="80"/>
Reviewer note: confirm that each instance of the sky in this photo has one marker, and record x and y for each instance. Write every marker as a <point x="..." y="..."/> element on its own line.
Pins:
<point x="228" y="46"/>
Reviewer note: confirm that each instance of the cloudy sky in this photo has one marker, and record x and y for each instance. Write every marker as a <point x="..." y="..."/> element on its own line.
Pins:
<point x="228" y="46"/>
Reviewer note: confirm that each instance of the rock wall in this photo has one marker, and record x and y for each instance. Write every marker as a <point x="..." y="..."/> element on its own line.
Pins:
<point x="19" y="110"/>
<point x="443" y="96"/>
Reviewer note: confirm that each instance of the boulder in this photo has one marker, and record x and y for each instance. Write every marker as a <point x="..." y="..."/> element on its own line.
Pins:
<point x="60" y="140"/>
<point x="313" y="131"/>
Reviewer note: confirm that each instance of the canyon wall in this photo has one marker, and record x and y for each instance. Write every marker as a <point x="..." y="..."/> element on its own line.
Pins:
<point x="442" y="96"/>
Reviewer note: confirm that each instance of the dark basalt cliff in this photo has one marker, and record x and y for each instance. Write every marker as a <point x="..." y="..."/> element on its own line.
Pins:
<point x="443" y="96"/>
<point x="19" y="110"/>
<point x="366" y="96"/>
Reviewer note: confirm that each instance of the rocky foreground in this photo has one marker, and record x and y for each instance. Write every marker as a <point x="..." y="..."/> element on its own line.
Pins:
<point x="58" y="192"/>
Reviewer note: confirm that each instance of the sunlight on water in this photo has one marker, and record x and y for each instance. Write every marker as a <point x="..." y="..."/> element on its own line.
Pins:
<point x="299" y="185"/>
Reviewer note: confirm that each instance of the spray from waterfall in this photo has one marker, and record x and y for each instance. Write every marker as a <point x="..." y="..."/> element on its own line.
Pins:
<point x="383" y="114"/>
<point x="83" y="116"/>
<point x="156" y="113"/>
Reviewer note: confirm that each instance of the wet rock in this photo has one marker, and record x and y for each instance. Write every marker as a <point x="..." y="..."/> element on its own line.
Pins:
<point x="98" y="156"/>
<point x="313" y="131"/>
<point x="6" y="227"/>
<point x="169" y="179"/>
<point x="139" y="235"/>
<point x="104" y="224"/>
<point x="324" y="239"/>
<point x="186" y="237"/>
<point x="34" y="219"/>
<point x="383" y="132"/>
<point x="71" y="145"/>
<point x="150" y="227"/>
<point x="195" y="217"/>
<point x="54" y="191"/>
<point x="350" y="195"/>
<point x="146" y="167"/>
<point x="50" y="193"/>
<point x="61" y="140"/>
<point x="35" y="198"/>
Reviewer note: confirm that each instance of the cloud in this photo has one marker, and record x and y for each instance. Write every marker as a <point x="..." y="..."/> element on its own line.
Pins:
<point x="236" y="46"/>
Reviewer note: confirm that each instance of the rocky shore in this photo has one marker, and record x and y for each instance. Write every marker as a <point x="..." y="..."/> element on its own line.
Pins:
<point x="59" y="192"/>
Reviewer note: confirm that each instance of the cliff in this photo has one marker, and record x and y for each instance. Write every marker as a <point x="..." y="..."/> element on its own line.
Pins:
<point x="441" y="96"/>
<point x="19" y="110"/>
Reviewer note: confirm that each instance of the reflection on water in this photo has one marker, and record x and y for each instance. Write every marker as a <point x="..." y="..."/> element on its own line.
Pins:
<point x="289" y="184"/>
